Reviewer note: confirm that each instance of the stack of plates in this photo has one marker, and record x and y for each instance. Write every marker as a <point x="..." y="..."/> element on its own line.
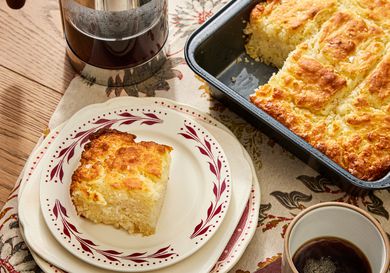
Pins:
<point x="210" y="209"/>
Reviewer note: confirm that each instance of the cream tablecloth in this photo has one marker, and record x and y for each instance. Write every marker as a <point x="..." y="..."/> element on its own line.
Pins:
<point x="287" y="185"/>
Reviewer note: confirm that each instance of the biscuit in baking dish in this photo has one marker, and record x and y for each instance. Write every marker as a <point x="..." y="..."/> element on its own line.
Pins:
<point x="377" y="11"/>
<point x="359" y="137"/>
<point x="276" y="27"/>
<point x="326" y="68"/>
<point x="322" y="76"/>
<point x="121" y="182"/>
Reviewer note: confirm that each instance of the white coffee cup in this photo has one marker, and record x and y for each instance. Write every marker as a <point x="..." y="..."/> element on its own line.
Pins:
<point x="334" y="219"/>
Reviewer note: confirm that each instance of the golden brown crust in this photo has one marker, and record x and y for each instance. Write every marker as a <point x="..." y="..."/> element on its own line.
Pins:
<point x="276" y="27"/>
<point x="122" y="160"/>
<point x="291" y="14"/>
<point x="300" y="121"/>
<point x="350" y="44"/>
<point x="332" y="92"/>
<point x="357" y="138"/>
<point x="340" y="37"/>
<point x="379" y="82"/>
<point x="315" y="85"/>
<point x="369" y="122"/>
<point x="121" y="182"/>
<point x="375" y="10"/>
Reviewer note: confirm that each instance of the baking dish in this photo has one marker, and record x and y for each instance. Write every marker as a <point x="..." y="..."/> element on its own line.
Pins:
<point x="216" y="53"/>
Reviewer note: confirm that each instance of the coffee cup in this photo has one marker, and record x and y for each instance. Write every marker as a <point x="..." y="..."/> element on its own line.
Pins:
<point x="336" y="220"/>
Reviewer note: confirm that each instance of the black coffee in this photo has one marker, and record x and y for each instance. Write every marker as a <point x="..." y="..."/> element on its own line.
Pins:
<point x="330" y="255"/>
<point x="119" y="52"/>
<point x="16" y="4"/>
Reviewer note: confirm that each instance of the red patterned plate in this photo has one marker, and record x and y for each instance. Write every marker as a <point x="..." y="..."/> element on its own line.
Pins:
<point x="197" y="198"/>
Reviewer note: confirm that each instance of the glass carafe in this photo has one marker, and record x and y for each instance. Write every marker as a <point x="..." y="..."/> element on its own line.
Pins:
<point x="107" y="38"/>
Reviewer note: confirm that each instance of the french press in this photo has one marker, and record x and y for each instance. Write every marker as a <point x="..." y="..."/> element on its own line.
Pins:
<point x="106" y="38"/>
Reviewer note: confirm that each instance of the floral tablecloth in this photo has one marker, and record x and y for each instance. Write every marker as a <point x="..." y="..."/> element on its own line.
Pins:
<point x="287" y="185"/>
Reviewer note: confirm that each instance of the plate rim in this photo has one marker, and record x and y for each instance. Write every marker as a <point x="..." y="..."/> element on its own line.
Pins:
<point x="208" y="118"/>
<point x="164" y="252"/>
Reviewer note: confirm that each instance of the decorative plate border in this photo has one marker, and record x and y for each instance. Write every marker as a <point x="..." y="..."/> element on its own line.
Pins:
<point x="234" y="249"/>
<point x="247" y="225"/>
<point x="68" y="229"/>
<point x="225" y="261"/>
<point x="216" y="164"/>
<point x="242" y="234"/>
<point x="143" y="260"/>
<point x="34" y="160"/>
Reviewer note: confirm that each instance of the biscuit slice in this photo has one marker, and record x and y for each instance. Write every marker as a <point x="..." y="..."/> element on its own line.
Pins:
<point x="120" y="182"/>
<point x="276" y="27"/>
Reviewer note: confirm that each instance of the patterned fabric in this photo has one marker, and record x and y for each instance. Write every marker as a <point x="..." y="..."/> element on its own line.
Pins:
<point x="287" y="185"/>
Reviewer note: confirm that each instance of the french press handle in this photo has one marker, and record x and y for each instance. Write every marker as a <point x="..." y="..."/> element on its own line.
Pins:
<point x="16" y="4"/>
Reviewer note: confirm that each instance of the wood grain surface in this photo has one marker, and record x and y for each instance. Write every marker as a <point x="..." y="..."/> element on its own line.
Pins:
<point x="25" y="109"/>
<point x="32" y="43"/>
<point x="34" y="73"/>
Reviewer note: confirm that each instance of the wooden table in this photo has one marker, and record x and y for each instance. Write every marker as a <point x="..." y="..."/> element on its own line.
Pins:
<point x="34" y="73"/>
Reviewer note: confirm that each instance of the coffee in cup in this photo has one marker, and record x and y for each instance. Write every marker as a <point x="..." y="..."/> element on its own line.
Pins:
<point x="335" y="237"/>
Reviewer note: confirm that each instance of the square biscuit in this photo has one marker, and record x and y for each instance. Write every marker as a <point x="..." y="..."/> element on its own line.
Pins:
<point x="121" y="182"/>
<point x="276" y="27"/>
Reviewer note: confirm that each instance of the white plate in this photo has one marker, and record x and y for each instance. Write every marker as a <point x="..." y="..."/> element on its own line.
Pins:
<point x="34" y="159"/>
<point x="38" y="237"/>
<point x="234" y="249"/>
<point x="245" y="229"/>
<point x="196" y="202"/>
<point x="40" y="240"/>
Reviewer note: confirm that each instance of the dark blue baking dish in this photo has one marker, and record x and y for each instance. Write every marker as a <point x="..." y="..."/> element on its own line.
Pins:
<point x="216" y="53"/>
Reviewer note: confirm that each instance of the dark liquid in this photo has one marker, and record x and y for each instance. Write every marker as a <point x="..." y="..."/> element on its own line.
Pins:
<point x="16" y="4"/>
<point x="116" y="54"/>
<point x="330" y="255"/>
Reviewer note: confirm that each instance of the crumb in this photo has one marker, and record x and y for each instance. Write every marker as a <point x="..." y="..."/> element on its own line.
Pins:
<point x="246" y="60"/>
<point x="46" y="132"/>
<point x="238" y="60"/>
<point x="234" y="79"/>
